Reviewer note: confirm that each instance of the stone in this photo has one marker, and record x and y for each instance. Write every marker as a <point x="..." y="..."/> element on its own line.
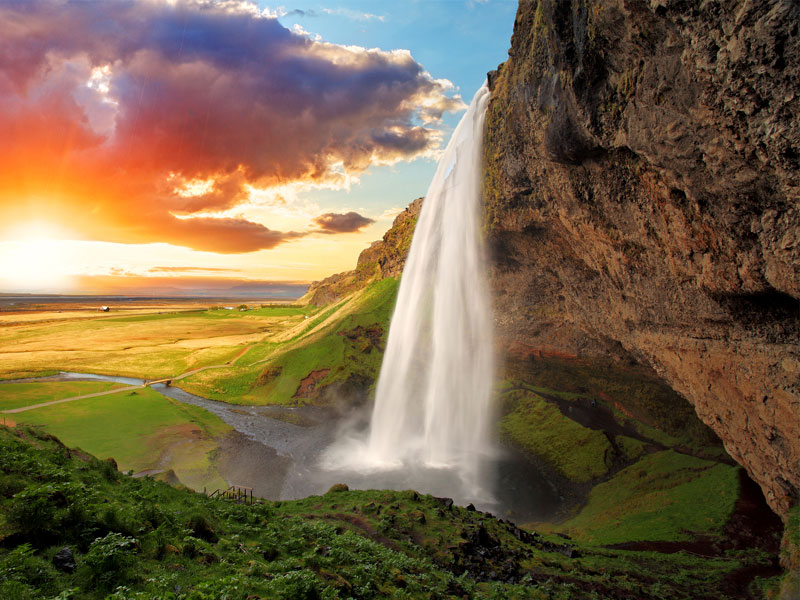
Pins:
<point x="64" y="560"/>
<point x="643" y="202"/>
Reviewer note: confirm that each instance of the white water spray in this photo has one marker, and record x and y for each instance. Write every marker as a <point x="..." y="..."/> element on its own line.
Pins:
<point x="433" y="396"/>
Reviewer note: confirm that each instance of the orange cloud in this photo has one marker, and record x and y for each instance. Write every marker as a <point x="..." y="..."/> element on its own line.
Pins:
<point x="111" y="112"/>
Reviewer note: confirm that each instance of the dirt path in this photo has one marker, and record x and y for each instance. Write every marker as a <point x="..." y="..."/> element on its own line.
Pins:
<point x="132" y="387"/>
<point x="32" y="406"/>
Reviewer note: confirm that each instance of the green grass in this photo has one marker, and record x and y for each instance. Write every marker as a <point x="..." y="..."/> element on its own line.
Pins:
<point x="664" y="496"/>
<point x="532" y="423"/>
<point x="347" y="359"/>
<point x="140" y="538"/>
<point x="282" y="311"/>
<point x="268" y="311"/>
<point x="137" y="428"/>
<point x="788" y="586"/>
<point x="634" y="393"/>
<point x="275" y="381"/>
<point x="17" y="395"/>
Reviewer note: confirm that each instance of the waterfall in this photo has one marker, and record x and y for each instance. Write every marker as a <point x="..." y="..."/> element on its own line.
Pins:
<point x="434" y="388"/>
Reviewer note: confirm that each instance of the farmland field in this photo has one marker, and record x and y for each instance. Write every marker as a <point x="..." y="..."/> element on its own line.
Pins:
<point x="145" y="345"/>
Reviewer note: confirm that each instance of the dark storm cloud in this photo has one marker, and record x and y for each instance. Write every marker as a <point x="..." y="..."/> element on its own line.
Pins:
<point x="342" y="223"/>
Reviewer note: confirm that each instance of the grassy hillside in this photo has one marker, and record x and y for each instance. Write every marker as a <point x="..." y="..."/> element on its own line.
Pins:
<point x="336" y="352"/>
<point x="139" y="538"/>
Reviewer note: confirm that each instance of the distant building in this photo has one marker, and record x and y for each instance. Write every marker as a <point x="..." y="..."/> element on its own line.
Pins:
<point x="228" y="307"/>
<point x="104" y="308"/>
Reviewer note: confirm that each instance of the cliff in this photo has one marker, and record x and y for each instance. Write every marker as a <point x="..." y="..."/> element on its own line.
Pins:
<point x="642" y="198"/>
<point x="384" y="258"/>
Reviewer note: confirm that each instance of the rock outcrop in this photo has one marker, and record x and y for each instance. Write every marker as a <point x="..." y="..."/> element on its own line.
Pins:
<point x="384" y="258"/>
<point x="643" y="198"/>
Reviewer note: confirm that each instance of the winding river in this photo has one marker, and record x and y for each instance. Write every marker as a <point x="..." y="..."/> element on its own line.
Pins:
<point x="276" y="450"/>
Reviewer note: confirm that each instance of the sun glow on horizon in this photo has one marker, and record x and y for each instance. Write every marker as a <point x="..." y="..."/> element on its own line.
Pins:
<point x="33" y="258"/>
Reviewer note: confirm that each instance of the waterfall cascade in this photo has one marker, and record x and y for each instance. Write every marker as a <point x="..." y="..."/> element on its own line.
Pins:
<point x="433" y="396"/>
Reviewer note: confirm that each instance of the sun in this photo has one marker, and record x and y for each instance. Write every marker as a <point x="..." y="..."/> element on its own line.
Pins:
<point x="33" y="258"/>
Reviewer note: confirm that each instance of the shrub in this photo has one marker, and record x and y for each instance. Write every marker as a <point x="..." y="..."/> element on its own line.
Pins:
<point x="22" y="565"/>
<point x="108" y="561"/>
<point x="201" y="527"/>
<point x="11" y="484"/>
<point x="17" y="590"/>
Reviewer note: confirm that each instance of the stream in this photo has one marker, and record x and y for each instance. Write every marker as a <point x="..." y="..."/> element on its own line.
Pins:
<point x="276" y="450"/>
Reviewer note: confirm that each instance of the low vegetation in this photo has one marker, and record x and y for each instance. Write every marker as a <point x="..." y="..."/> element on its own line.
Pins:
<point x="148" y="346"/>
<point x="576" y="452"/>
<point x="17" y="395"/>
<point x="140" y="538"/>
<point x="344" y="341"/>
<point x="607" y="428"/>
<point x="665" y="496"/>
<point x="140" y="429"/>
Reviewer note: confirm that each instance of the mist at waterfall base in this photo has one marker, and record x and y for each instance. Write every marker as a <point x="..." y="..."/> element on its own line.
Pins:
<point x="430" y="425"/>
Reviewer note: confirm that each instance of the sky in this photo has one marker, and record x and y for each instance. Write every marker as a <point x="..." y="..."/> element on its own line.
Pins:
<point x="184" y="145"/>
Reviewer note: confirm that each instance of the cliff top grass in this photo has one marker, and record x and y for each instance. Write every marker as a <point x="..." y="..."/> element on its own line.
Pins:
<point x="140" y="538"/>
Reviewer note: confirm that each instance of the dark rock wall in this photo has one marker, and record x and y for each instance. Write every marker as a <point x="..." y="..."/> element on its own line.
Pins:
<point x="643" y="198"/>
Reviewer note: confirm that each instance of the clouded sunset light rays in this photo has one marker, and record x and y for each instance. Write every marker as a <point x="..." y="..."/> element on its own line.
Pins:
<point x="193" y="108"/>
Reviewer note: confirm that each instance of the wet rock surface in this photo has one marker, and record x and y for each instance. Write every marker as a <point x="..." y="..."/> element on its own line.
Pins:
<point x="64" y="560"/>
<point x="643" y="203"/>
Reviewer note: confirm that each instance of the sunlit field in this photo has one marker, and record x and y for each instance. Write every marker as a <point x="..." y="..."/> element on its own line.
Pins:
<point x="148" y="345"/>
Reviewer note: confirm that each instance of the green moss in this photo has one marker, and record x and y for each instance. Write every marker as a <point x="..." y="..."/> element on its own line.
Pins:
<point x="634" y="393"/>
<point x="788" y="586"/>
<point x="578" y="453"/>
<point x="664" y="496"/>
<point x="631" y="448"/>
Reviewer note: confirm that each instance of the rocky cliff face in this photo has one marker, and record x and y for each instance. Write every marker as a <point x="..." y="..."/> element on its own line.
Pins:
<point x="384" y="258"/>
<point x="643" y="198"/>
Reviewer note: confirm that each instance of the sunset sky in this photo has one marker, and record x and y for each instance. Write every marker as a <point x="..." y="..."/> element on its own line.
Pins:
<point x="156" y="145"/>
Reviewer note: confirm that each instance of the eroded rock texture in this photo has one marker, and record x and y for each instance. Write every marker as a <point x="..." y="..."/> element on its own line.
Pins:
<point x="643" y="190"/>
<point x="384" y="258"/>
